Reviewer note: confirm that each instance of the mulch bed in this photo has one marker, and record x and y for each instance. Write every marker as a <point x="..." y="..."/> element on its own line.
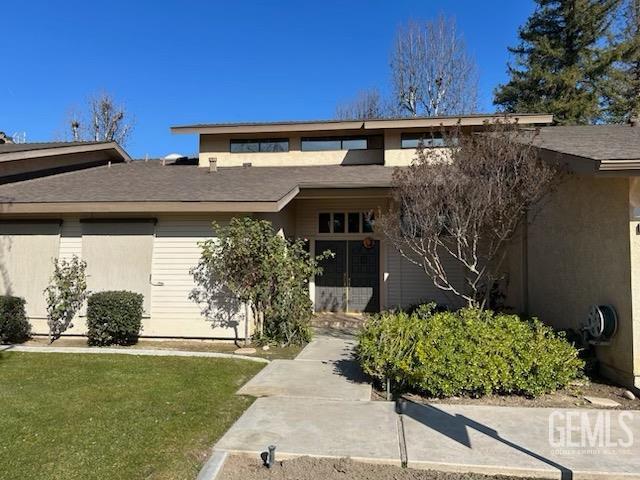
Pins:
<point x="308" y="468"/>
<point x="570" y="397"/>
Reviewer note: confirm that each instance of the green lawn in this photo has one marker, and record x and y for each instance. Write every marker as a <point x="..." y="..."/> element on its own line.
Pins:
<point x="73" y="416"/>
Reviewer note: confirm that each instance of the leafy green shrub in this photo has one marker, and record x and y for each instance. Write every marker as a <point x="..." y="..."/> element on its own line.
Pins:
<point x="14" y="326"/>
<point x="114" y="317"/>
<point x="249" y="261"/>
<point x="470" y="351"/>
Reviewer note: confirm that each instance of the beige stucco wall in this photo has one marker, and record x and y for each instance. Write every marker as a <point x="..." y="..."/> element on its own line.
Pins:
<point x="396" y="156"/>
<point x="168" y="251"/>
<point x="217" y="146"/>
<point x="26" y="262"/>
<point x="634" y="243"/>
<point x="118" y="257"/>
<point x="579" y="255"/>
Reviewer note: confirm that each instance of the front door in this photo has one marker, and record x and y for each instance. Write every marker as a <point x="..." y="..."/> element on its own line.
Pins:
<point x="331" y="294"/>
<point x="351" y="279"/>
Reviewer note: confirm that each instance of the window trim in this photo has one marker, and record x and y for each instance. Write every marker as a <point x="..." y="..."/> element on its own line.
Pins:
<point x="259" y="141"/>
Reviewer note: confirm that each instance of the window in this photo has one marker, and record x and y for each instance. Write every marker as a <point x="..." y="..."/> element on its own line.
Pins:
<point x="428" y="140"/>
<point x="354" y="144"/>
<point x="320" y="144"/>
<point x="316" y="144"/>
<point x="368" y="222"/>
<point x="354" y="222"/>
<point x="343" y="222"/>
<point x="261" y="145"/>
<point x="324" y="223"/>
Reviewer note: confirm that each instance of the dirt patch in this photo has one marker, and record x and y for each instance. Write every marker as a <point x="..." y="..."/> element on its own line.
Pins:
<point x="184" y="345"/>
<point x="570" y="397"/>
<point x="308" y="468"/>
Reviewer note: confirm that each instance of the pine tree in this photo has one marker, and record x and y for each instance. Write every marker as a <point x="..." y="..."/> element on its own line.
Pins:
<point x="561" y="56"/>
<point x="621" y="87"/>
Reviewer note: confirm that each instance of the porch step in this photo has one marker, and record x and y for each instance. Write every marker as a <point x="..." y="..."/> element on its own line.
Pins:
<point x="348" y="323"/>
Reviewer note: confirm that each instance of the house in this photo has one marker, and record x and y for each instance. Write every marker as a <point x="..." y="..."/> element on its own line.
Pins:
<point x="138" y="224"/>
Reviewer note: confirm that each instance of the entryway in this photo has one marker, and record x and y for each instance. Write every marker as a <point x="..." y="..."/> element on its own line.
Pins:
<point x="350" y="281"/>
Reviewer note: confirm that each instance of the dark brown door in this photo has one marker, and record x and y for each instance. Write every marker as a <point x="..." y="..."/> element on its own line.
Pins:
<point x="351" y="279"/>
<point x="331" y="294"/>
<point x="364" y="277"/>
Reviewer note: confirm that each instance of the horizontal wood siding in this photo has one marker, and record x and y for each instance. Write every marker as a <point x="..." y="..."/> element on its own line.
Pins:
<point x="176" y="252"/>
<point x="70" y="238"/>
<point x="408" y="284"/>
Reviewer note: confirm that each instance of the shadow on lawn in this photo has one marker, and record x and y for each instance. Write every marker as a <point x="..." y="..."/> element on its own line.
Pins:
<point x="456" y="428"/>
<point x="3" y="349"/>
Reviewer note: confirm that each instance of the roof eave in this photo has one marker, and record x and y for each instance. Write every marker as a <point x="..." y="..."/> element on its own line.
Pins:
<point x="425" y="122"/>
<point x="141" y="207"/>
<point x="463" y="121"/>
<point x="269" y="128"/>
<point x="66" y="150"/>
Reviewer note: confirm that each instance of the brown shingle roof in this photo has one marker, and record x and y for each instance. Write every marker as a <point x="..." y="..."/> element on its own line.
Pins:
<point x="597" y="142"/>
<point x="152" y="182"/>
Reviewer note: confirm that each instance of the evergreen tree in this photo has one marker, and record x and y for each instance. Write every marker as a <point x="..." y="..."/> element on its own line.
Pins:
<point x="621" y="87"/>
<point x="561" y="57"/>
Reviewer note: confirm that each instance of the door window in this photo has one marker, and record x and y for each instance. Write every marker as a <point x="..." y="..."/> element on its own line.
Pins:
<point x="346" y="222"/>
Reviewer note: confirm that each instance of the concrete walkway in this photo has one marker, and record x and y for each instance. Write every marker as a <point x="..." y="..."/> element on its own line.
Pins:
<point x="325" y="369"/>
<point x="319" y="405"/>
<point x="128" y="351"/>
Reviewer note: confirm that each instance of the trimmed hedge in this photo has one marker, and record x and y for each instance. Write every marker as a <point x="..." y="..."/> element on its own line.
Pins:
<point x="467" y="352"/>
<point x="14" y="326"/>
<point x="114" y="318"/>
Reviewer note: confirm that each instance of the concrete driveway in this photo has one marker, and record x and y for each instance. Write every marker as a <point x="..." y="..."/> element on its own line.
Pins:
<point x="319" y="405"/>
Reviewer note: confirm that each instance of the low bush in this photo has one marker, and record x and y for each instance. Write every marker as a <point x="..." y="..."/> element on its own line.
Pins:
<point x="467" y="352"/>
<point x="14" y="326"/>
<point x="114" y="318"/>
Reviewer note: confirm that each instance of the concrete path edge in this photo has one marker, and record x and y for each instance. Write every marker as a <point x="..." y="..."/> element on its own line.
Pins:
<point x="213" y="466"/>
<point x="119" y="351"/>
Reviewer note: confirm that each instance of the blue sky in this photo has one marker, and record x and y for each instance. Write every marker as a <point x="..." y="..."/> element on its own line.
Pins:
<point x="175" y="62"/>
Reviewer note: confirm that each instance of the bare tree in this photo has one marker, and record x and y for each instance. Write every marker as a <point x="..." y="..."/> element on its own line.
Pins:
<point x="103" y="121"/>
<point x="432" y="72"/>
<point x="367" y="104"/>
<point x="462" y="205"/>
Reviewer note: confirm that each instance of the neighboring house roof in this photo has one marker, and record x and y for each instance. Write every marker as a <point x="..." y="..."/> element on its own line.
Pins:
<point x="22" y="147"/>
<point x="21" y="161"/>
<point x="381" y="123"/>
<point x="607" y="147"/>
<point x="189" y="188"/>
<point x="23" y="151"/>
